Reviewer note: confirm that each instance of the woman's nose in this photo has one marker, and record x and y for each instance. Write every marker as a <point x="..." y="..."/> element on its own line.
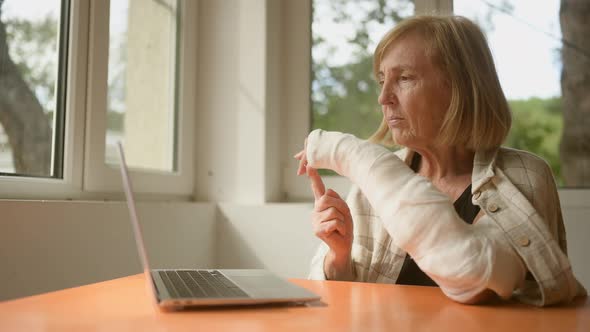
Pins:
<point x="386" y="96"/>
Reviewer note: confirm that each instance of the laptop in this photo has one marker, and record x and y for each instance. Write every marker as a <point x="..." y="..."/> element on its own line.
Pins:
<point x="175" y="289"/>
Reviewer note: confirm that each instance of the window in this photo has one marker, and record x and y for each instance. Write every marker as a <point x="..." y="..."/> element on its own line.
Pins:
<point x="141" y="106"/>
<point x="526" y="41"/>
<point x="344" y="36"/>
<point x="300" y="95"/>
<point x="33" y="46"/>
<point x="90" y="96"/>
<point x="308" y="32"/>
<point x="144" y="92"/>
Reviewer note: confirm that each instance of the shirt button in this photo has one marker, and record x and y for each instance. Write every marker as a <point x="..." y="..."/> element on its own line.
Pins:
<point x="523" y="241"/>
<point x="476" y="194"/>
<point x="493" y="207"/>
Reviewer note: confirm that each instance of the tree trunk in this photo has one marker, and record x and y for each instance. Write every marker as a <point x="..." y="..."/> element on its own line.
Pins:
<point x="22" y="117"/>
<point x="574" y="149"/>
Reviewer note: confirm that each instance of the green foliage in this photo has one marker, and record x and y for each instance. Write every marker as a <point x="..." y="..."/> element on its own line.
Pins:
<point x="346" y="100"/>
<point x="537" y="125"/>
<point x="349" y="103"/>
<point x="344" y="97"/>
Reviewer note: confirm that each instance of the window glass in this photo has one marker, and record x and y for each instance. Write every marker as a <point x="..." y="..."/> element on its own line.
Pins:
<point x="344" y="36"/>
<point x="32" y="86"/>
<point x="142" y="92"/>
<point x="526" y="41"/>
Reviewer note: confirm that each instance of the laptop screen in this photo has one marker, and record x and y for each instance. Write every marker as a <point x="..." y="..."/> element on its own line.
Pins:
<point x="134" y="220"/>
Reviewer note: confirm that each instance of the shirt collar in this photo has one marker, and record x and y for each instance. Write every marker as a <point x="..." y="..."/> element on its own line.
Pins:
<point x="483" y="165"/>
<point x="483" y="168"/>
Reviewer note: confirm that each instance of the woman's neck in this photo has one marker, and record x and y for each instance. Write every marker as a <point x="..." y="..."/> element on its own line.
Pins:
<point x="445" y="163"/>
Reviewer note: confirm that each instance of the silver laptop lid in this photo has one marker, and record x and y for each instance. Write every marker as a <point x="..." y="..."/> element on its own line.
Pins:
<point x="134" y="220"/>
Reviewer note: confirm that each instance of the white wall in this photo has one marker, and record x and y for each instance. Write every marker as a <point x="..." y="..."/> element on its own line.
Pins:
<point x="51" y="245"/>
<point x="276" y="237"/>
<point x="46" y="246"/>
<point x="238" y="141"/>
<point x="577" y="226"/>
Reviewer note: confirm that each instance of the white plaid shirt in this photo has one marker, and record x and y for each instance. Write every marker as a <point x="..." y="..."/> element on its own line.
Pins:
<point x="518" y="184"/>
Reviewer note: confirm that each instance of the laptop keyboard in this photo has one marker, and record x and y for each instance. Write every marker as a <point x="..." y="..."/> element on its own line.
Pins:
<point x="200" y="284"/>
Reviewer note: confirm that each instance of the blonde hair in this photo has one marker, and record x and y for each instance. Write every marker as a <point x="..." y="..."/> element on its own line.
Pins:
<point x="478" y="116"/>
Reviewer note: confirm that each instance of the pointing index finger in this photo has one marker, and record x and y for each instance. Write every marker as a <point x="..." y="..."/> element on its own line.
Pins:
<point x="317" y="185"/>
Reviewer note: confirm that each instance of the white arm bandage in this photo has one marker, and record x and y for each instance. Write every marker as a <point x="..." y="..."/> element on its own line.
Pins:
<point x="462" y="259"/>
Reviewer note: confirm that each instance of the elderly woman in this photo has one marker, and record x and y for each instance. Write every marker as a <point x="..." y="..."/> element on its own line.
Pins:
<point x="452" y="208"/>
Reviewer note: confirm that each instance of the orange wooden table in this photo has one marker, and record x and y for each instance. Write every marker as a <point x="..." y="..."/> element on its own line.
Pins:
<point x="123" y="305"/>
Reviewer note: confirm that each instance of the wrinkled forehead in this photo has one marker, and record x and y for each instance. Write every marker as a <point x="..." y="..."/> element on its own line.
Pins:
<point x="408" y="51"/>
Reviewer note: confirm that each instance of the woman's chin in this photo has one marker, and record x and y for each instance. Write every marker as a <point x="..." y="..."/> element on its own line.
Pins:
<point x="401" y="139"/>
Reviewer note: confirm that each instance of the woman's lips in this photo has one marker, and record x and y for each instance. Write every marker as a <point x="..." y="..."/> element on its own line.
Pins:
<point x="394" y="121"/>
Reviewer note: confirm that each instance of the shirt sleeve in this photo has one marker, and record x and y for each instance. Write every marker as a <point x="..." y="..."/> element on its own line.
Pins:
<point x="463" y="259"/>
<point x="316" y="271"/>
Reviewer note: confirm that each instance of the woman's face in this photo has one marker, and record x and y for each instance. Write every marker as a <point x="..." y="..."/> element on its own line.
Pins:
<point x="414" y="96"/>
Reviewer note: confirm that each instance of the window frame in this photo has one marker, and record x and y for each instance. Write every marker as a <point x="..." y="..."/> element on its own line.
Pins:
<point x="83" y="177"/>
<point x="70" y="182"/>
<point x="98" y="176"/>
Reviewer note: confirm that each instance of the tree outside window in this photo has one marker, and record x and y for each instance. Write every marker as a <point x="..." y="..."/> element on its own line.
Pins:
<point x="29" y="53"/>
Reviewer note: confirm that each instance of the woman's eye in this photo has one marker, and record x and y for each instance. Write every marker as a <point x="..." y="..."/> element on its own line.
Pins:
<point x="404" y="78"/>
<point x="381" y="83"/>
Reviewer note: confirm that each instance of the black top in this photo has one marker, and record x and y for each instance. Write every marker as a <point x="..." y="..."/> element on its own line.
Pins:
<point x="410" y="273"/>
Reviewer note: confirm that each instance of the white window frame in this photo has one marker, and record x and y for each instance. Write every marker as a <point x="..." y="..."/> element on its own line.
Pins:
<point x="98" y="176"/>
<point x="297" y="98"/>
<point x="85" y="175"/>
<point x="71" y="184"/>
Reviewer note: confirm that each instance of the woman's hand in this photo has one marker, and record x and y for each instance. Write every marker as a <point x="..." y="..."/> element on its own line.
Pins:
<point x="331" y="222"/>
<point x="302" y="157"/>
